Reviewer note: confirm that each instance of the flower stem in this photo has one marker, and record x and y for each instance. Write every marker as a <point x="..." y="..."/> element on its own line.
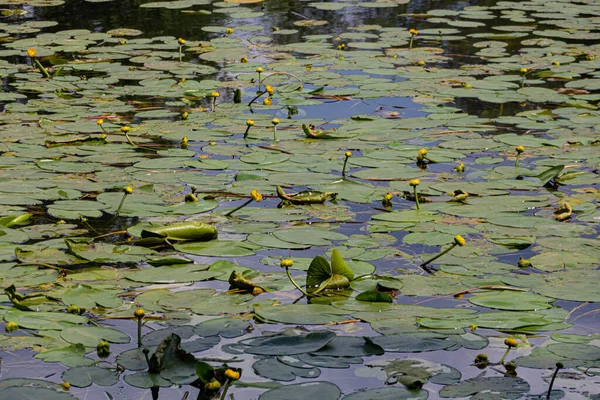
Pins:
<point x="344" y="167"/>
<point x="121" y="203"/>
<point x="274" y="133"/>
<point x="287" y="271"/>
<point x="225" y="389"/>
<point x="247" y="130"/>
<point x="180" y="53"/>
<point x="258" y="95"/>
<point x="411" y="42"/>
<point x="517" y="161"/>
<point x="505" y="354"/>
<point x="129" y="140"/>
<point x="139" y="333"/>
<point x="228" y="213"/>
<point x="417" y="199"/>
<point x="41" y="68"/>
<point x="552" y="381"/>
<point x="439" y="255"/>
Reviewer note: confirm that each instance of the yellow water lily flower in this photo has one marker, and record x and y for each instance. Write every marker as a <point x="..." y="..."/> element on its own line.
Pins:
<point x="31" y="52"/>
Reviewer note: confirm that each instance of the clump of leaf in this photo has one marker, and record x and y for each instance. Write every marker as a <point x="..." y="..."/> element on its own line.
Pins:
<point x="322" y="275"/>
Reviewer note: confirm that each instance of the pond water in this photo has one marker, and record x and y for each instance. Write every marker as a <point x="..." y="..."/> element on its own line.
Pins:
<point x="420" y="127"/>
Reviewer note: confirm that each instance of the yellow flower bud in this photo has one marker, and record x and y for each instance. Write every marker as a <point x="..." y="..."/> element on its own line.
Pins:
<point x="524" y="70"/>
<point x="125" y="129"/>
<point x="422" y="152"/>
<point x="414" y="182"/>
<point x="269" y="89"/>
<point x="244" y="60"/>
<point x="510" y="342"/>
<point x="520" y="149"/>
<point x="286" y="263"/>
<point x="31" y="52"/>
<point x="460" y="168"/>
<point x="191" y="198"/>
<point x="459" y="240"/>
<point x="413" y="31"/>
<point x="260" y="70"/>
<point x="421" y="63"/>
<point x="11" y="326"/>
<point x="231" y="374"/>
<point x="73" y="309"/>
<point x="229" y="31"/>
<point x="275" y="121"/>
<point x="215" y="94"/>
<point x="212" y="143"/>
<point x="99" y="122"/>
<point x="267" y="101"/>
<point x="348" y="154"/>
<point x="556" y="63"/>
<point x="128" y="190"/>
<point x="481" y="358"/>
<point x="139" y="313"/>
<point x="250" y="122"/>
<point x="181" y="41"/>
<point x="213" y="385"/>
<point x="66" y="385"/>
<point x="388" y="197"/>
<point x="256" y="196"/>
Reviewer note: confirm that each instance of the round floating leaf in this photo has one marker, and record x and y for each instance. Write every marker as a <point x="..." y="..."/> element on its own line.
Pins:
<point x="29" y="392"/>
<point x="413" y="342"/>
<point x="493" y="388"/>
<point x="225" y="327"/>
<point x="303" y="391"/>
<point x="290" y="345"/>
<point x="85" y="376"/>
<point x="90" y="336"/>
<point x="509" y="300"/>
<point x="146" y="380"/>
<point x="271" y="368"/>
<point x="88" y="297"/>
<point x="311" y="314"/>
<point x="388" y="393"/>
<point x="575" y="351"/>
